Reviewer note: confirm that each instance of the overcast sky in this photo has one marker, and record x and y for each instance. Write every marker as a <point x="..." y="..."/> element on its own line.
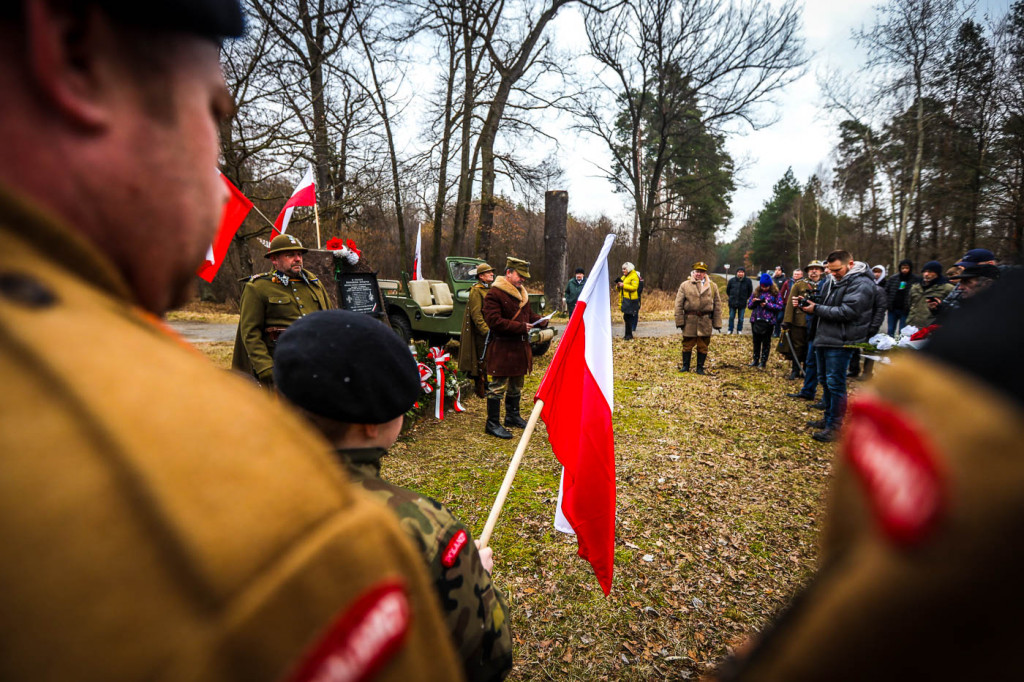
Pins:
<point x="802" y="137"/>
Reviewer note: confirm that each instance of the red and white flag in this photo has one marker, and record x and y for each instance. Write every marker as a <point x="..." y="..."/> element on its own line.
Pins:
<point x="304" y="195"/>
<point x="577" y="395"/>
<point x="417" y="267"/>
<point x="235" y="210"/>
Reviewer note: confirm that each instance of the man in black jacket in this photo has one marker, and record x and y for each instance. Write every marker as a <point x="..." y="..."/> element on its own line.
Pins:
<point x="897" y="291"/>
<point x="738" y="291"/>
<point x="851" y="313"/>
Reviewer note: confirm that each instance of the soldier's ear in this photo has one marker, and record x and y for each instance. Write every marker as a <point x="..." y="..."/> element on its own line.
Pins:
<point x="67" y="50"/>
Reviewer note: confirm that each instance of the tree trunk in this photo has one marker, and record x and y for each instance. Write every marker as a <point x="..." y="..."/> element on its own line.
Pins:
<point x="442" y="179"/>
<point x="556" y="205"/>
<point x="321" y="144"/>
<point x="487" y="198"/>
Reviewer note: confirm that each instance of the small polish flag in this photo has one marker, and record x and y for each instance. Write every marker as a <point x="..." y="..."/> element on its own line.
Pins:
<point x="235" y="210"/>
<point x="417" y="267"/>
<point x="577" y="395"/>
<point x="304" y="195"/>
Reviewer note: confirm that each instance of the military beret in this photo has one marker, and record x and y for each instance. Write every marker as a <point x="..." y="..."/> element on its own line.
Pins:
<point x="519" y="265"/>
<point x="208" y="18"/>
<point x="346" y="367"/>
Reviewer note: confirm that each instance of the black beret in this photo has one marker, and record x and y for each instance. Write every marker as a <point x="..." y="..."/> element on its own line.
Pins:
<point x="346" y="367"/>
<point x="208" y="18"/>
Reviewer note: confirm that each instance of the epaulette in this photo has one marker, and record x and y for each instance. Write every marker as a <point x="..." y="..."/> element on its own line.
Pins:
<point x="253" y="278"/>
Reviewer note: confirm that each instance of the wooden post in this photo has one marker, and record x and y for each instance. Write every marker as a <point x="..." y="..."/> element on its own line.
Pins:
<point x="513" y="467"/>
<point x="556" y="207"/>
<point x="316" y="215"/>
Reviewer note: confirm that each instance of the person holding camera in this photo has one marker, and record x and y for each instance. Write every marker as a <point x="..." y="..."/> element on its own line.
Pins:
<point x="765" y="304"/>
<point x="794" y="320"/>
<point x="850" y="313"/>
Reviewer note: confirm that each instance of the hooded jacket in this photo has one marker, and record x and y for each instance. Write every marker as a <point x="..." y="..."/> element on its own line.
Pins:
<point x="853" y="310"/>
<point x="897" y="287"/>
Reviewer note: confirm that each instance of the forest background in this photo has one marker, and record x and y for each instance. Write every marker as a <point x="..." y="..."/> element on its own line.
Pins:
<point x="930" y="159"/>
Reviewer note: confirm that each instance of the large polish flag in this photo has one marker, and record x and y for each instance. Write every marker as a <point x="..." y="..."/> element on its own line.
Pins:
<point x="577" y="395"/>
<point x="417" y="261"/>
<point x="304" y="195"/>
<point x="235" y="210"/>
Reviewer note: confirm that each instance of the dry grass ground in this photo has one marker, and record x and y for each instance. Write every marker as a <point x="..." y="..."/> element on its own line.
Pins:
<point x="720" y="496"/>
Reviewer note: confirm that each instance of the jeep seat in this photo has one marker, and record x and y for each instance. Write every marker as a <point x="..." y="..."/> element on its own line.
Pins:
<point x="419" y="290"/>
<point x="442" y="294"/>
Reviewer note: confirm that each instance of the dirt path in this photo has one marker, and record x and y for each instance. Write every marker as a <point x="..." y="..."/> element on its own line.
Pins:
<point x="209" y="332"/>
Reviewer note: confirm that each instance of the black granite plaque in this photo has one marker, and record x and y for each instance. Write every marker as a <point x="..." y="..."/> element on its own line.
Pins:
<point x="359" y="292"/>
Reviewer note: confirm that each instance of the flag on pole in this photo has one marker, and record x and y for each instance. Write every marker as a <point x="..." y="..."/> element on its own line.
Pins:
<point x="304" y="195"/>
<point x="577" y="395"/>
<point x="417" y="268"/>
<point x="235" y="210"/>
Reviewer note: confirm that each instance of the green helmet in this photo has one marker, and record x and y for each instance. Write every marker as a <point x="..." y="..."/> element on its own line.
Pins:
<point x="284" y="242"/>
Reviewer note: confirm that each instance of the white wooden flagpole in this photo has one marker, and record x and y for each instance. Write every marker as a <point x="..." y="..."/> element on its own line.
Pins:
<point x="316" y="214"/>
<point x="513" y="467"/>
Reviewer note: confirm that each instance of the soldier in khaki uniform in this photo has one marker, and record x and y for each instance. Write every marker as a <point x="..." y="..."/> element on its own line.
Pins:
<point x="160" y="519"/>
<point x="356" y="388"/>
<point x="919" y="575"/>
<point x="270" y="302"/>
<point x="698" y="312"/>
<point x="474" y="330"/>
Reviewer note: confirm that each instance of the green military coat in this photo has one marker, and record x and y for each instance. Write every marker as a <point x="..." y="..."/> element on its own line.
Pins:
<point x="268" y="302"/>
<point x="474" y="331"/>
<point x="474" y="609"/>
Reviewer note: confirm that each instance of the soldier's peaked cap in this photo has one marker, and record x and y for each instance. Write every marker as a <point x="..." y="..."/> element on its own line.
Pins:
<point x="284" y="242"/>
<point x="214" y="19"/>
<point x="519" y="265"/>
<point x="346" y="367"/>
<point x="700" y="265"/>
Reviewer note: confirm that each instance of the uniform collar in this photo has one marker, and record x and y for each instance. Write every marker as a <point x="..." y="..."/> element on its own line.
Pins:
<point x="361" y="456"/>
<point x="59" y="244"/>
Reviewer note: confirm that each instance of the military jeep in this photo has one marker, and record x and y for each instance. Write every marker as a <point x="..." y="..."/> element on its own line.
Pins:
<point x="433" y="309"/>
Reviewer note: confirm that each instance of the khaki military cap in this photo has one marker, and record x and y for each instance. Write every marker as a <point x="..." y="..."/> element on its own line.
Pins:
<point x="519" y="265"/>
<point x="700" y="265"/>
<point x="815" y="264"/>
<point x="482" y="268"/>
<point x="284" y="242"/>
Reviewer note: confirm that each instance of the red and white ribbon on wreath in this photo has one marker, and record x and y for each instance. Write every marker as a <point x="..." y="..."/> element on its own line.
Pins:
<point x="440" y="357"/>
<point x="425" y="373"/>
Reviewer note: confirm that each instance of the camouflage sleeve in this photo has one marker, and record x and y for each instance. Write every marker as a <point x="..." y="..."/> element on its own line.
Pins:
<point x="474" y="610"/>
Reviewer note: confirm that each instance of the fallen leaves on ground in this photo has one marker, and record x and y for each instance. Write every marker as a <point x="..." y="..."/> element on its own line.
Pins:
<point x="720" y="492"/>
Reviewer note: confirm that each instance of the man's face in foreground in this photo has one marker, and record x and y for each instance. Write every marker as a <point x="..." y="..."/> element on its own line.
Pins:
<point x="176" y="194"/>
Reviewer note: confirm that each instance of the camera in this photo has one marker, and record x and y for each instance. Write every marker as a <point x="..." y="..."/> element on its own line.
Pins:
<point x="802" y="301"/>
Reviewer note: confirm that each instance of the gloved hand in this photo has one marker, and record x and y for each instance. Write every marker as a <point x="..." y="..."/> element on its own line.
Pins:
<point x="786" y="325"/>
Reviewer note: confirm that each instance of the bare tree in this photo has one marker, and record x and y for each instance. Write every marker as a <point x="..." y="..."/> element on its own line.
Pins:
<point x="908" y="41"/>
<point x="674" y="70"/>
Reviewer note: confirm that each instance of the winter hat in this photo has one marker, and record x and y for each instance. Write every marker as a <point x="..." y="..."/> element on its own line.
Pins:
<point x="766" y="280"/>
<point x="906" y="261"/>
<point x="933" y="265"/>
<point x="346" y="367"/>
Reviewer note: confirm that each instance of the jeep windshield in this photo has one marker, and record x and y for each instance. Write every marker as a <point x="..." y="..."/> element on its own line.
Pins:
<point x="463" y="272"/>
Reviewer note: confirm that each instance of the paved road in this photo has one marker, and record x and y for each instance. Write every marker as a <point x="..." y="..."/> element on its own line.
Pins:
<point x="205" y="332"/>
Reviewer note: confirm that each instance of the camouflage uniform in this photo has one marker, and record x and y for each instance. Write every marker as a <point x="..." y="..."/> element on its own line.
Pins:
<point x="474" y="609"/>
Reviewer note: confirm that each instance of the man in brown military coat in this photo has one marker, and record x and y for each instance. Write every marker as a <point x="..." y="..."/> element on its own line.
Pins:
<point x="160" y="519"/>
<point x="698" y="312"/>
<point x="919" y="568"/>
<point x="509" y="357"/>
<point x="474" y="330"/>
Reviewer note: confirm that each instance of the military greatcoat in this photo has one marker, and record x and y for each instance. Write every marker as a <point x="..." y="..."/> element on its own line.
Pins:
<point x="698" y="309"/>
<point x="507" y="312"/>
<point x="161" y="519"/>
<point x="474" y="331"/>
<point x="272" y="301"/>
<point x="475" y="610"/>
